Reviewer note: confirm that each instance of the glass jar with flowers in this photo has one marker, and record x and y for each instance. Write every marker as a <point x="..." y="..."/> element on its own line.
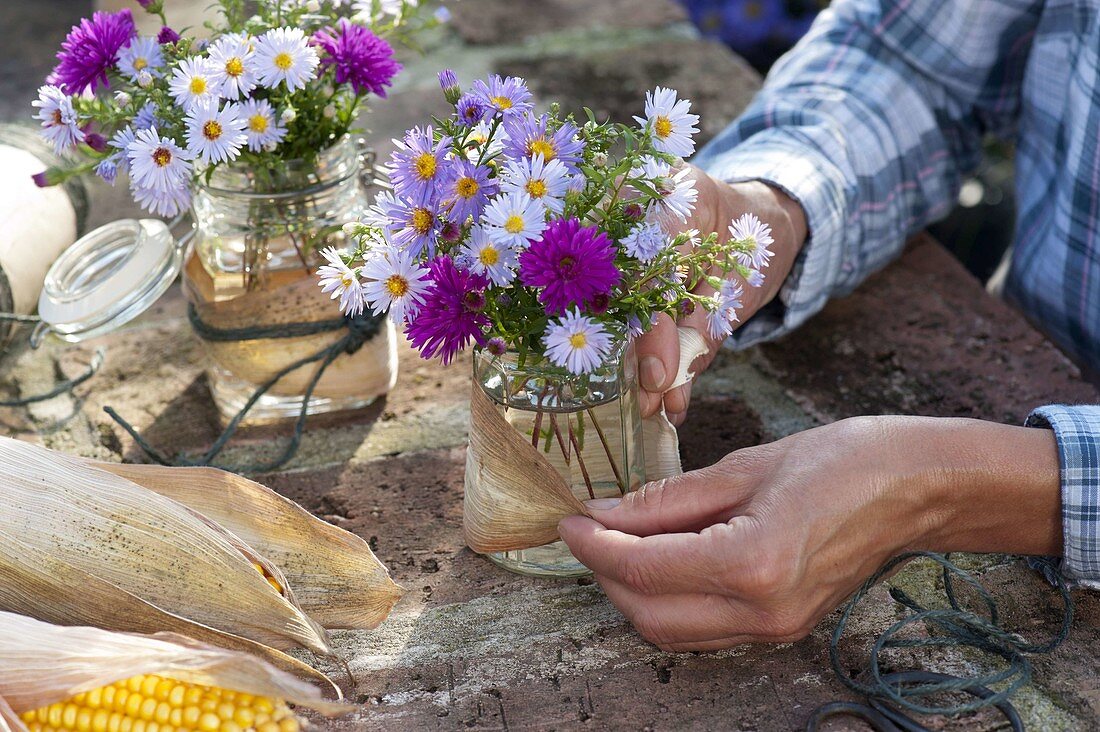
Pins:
<point x="548" y="246"/>
<point x="251" y="129"/>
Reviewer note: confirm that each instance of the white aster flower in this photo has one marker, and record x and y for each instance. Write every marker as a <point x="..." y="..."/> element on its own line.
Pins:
<point x="542" y="181"/>
<point x="60" y="125"/>
<point x="261" y="125"/>
<point x="727" y="301"/>
<point x="477" y="138"/>
<point x="577" y="343"/>
<point x="283" y="55"/>
<point x="670" y="122"/>
<point x="193" y="82"/>
<point x="167" y="203"/>
<point x="215" y="135"/>
<point x="157" y="163"/>
<point x="676" y="192"/>
<point x="484" y="256"/>
<point x="753" y="237"/>
<point x="385" y="7"/>
<point x="342" y="281"/>
<point x="142" y="54"/>
<point x="395" y="284"/>
<point x="645" y="241"/>
<point x="234" y="66"/>
<point x="515" y="220"/>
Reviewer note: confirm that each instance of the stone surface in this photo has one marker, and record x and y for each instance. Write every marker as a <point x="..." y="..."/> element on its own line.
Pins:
<point x="471" y="646"/>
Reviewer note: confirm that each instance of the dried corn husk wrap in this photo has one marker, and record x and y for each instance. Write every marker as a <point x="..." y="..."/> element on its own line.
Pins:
<point x="41" y="664"/>
<point x="335" y="576"/>
<point x="290" y="298"/>
<point x="35" y="584"/>
<point x="9" y="720"/>
<point x="147" y="545"/>
<point x="520" y="497"/>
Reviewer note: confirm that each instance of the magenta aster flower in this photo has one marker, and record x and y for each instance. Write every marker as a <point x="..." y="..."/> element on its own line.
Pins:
<point x="358" y="56"/>
<point x="573" y="265"/>
<point x="451" y="314"/>
<point x="90" y="49"/>
<point x="167" y="35"/>
<point x="529" y="136"/>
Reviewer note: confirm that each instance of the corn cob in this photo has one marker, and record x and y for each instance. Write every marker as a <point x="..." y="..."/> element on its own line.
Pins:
<point x="151" y="703"/>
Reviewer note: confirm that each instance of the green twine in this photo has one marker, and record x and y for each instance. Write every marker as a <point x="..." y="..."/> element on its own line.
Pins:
<point x="890" y="692"/>
<point x="360" y="329"/>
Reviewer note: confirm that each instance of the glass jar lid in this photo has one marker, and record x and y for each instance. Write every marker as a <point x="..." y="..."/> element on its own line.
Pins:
<point x="107" y="278"/>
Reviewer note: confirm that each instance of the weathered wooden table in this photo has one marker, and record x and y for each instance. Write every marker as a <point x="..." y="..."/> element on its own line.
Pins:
<point x="471" y="646"/>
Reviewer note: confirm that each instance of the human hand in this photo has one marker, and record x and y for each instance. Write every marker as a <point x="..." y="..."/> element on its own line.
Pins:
<point x="760" y="546"/>
<point x="717" y="205"/>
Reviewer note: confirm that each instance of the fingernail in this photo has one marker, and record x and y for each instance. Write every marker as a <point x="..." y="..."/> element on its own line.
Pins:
<point x="603" y="504"/>
<point x="652" y="373"/>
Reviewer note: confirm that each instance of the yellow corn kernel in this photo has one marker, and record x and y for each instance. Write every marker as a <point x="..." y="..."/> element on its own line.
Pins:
<point x="270" y="580"/>
<point x="152" y="703"/>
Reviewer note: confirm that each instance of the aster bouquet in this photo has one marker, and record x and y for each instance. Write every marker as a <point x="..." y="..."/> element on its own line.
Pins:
<point x="283" y="82"/>
<point x="547" y="243"/>
<point x="531" y="233"/>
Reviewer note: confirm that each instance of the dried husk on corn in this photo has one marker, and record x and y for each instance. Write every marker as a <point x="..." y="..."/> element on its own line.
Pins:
<point x="335" y="575"/>
<point x="520" y="497"/>
<point x="41" y="664"/>
<point x="147" y="545"/>
<point x="9" y="720"/>
<point x="36" y="584"/>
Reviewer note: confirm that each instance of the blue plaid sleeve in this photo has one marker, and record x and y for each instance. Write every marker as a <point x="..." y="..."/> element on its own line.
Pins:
<point x="870" y="123"/>
<point x="1077" y="430"/>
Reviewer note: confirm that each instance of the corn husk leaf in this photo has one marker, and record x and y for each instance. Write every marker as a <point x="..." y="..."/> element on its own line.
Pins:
<point x="9" y="720"/>
<point x="520" y="496"/>
<point x="335" y="576"/>
<point x="41" y="664"/>
<point x="147" y="545"/>
<point x="37" y="585"/>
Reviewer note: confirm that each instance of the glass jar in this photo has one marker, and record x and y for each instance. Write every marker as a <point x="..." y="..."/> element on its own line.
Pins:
<point x="259" y="234"/>
<point x="588" y="428"/>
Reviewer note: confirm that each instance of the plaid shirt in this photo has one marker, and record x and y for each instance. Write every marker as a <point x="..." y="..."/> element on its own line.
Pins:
<point x="871" y="122"/>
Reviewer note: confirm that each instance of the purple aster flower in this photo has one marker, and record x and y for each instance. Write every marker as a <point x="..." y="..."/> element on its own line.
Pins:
<point x="530" y="135"/>
<point x="573" y="264"/>
<point x="496" y="346"/>
<point x="167" y="35"/>
<point x="96" y="141"/>
<point x="107" y="170"/>
<point x="450" y="317"/>
<point x="472" y="110"/>
<point x="508" y="96"/>
<point x="91" y="48"/>
<point x="448" y="81"/>
<point x="467" y="189"/>
<point x="358" y="56"/>
<point x="146" y="117"/>
<point x="413" y="222"/>
<point x="418" y="164"/>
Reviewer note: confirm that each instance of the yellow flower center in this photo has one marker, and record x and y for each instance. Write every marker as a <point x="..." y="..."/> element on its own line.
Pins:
<point x="422" y="220"/>
<point x="502" y="102"/>
<point x="258" y="123"/>
<point x="234" y="67"/>
<point x="536" y="188"/>
<point x="140" y="63"/>
<point x="198" y="85"/>
<point x="283" y="61"/>
<point x="397" y="285"/>
<point x="514" y="224"/>
<point x="467" y="187"/>
<point x="347" y="279"/>
<point x="663" y="127"/>
<point x="488" y="256"/>
<point x="162" y="156"/>
<point x="212" y="130"/>
<point x="578" y="340"/>
<point x="425" y="166"/>
<point x="541" y="147"/>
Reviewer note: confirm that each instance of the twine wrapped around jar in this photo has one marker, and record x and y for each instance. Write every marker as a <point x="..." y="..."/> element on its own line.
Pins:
<point x="519" y="497"/>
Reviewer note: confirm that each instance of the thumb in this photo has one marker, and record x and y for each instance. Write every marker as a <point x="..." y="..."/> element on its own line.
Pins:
<point x="688" y="502"/>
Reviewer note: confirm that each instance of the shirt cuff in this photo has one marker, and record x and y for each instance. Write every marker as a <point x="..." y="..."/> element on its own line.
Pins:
<point x="1077" y="431"/>
<point x="777" y="157"/>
